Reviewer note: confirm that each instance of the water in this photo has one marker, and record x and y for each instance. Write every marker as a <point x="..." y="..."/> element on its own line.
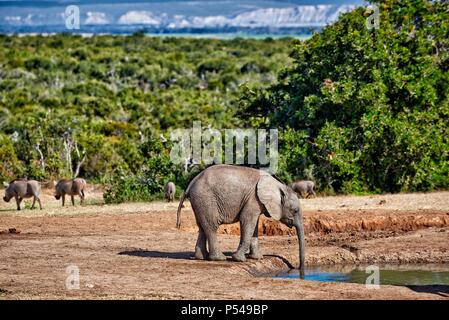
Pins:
<point x="129" y="30"/>
<point x="427" y="274"/>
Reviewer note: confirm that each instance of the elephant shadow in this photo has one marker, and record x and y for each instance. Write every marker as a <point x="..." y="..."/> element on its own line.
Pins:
<point x="284" y="260"/>
<point x="185" y="255"/>
<point x="441" y="290"/>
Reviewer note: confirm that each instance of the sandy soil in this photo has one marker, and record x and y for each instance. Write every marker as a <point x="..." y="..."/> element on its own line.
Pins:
<point x="134" y="250"/>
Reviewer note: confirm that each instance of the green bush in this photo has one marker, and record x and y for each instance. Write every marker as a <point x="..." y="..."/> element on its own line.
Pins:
<point x="370" y="107"/>
<point x="124" y="188"/>
<point x="149" y="182"/>
<point x="109" y="95"/>
<point x="10" y="166"/>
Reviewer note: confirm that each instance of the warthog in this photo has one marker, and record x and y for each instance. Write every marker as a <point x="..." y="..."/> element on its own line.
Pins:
<point x="23" y="188"/>
<point x="170" y="190"/>
<point x="73" y="187"/>
<point x="304" y="188"/>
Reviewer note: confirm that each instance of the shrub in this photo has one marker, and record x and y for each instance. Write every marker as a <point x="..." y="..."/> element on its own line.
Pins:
<point x="10" y="166"/>
<point x="371" y="106"/>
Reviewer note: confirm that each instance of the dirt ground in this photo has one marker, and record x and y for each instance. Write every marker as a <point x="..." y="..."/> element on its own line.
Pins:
<point x="134" y="251"/>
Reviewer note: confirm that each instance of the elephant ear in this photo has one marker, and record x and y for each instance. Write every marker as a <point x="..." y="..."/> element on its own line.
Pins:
<point x="271" y="193"/>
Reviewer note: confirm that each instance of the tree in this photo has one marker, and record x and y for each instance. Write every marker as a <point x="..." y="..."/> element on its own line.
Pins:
<point x="372" y="105"/>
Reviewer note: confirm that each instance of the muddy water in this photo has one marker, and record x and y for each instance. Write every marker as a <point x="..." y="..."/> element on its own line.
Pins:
<point x="427" y="274"/>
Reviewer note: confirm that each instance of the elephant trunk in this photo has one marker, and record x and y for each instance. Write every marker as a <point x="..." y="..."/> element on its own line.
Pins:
<point x="300" y="232"/>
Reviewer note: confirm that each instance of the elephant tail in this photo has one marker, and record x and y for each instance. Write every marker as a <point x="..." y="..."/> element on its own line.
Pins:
<point x="178" y="214"/>
<point x="185" y="194"/>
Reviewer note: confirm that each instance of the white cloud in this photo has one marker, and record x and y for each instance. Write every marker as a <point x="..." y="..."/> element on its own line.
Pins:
<point x="94" y="17"/>
<point x="138" y="17"/>
<point x="13" y="19"/>
<point x="180" y="23"/>
<point x="307" y="15"/>
<point x="299" y="16"/>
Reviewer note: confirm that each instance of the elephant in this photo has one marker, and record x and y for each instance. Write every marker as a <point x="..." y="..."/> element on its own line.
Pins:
<point x="224" y="194"/>
<point x="72" y="188"/>
<point x="23" y="188"/>
<point x="304" y="188"/>
<point x="170" y="191"/>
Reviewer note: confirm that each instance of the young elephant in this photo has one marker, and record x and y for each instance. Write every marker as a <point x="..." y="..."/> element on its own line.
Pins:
<point x="72" y="188"/>
<point x="170" y="190"/>
<point x="22" y="188"/>
<point x="304" y="188"/>
<point x="224" y="194"/>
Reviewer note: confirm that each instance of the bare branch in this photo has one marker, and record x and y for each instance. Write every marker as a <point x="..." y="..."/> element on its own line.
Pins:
<point x="41" y="156"/>
<point x="78" y="167"/>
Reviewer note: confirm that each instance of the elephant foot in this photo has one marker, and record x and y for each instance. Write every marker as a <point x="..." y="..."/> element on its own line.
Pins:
<point x="217" y="257"/>
<point x="200" y="255"/>
<point x="255" y="256"/>
<point x="238" y="257"/>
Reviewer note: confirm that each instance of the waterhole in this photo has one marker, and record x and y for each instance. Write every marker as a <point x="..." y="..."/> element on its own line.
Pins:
<point x="402" y="275"/>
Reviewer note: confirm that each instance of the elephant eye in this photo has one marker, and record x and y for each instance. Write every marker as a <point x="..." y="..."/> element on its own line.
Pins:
<point x="296" y="210"/>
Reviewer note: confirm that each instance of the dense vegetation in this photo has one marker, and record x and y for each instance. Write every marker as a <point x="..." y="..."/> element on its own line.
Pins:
<point x="366" y="111"/>
<point x="358" y="110"/>
<point x="102" y="107"/>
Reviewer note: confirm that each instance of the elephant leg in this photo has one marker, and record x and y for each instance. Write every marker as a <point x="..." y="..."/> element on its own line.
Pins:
<point x="18" y="201"/>
<point x="254" y="246"/>
<point x="39" y="201"/>
<point x="215" y="253"/>
<point x="73" y="200"/>
<point x="248" y="223"/>
<point x="200" y="247"/>
<point x="81" y="197"/>
<point x="34" y="202"/>
<point x="206" y="219"/>
<point x="240" y="242"/>
<point x="63" y="200"/>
